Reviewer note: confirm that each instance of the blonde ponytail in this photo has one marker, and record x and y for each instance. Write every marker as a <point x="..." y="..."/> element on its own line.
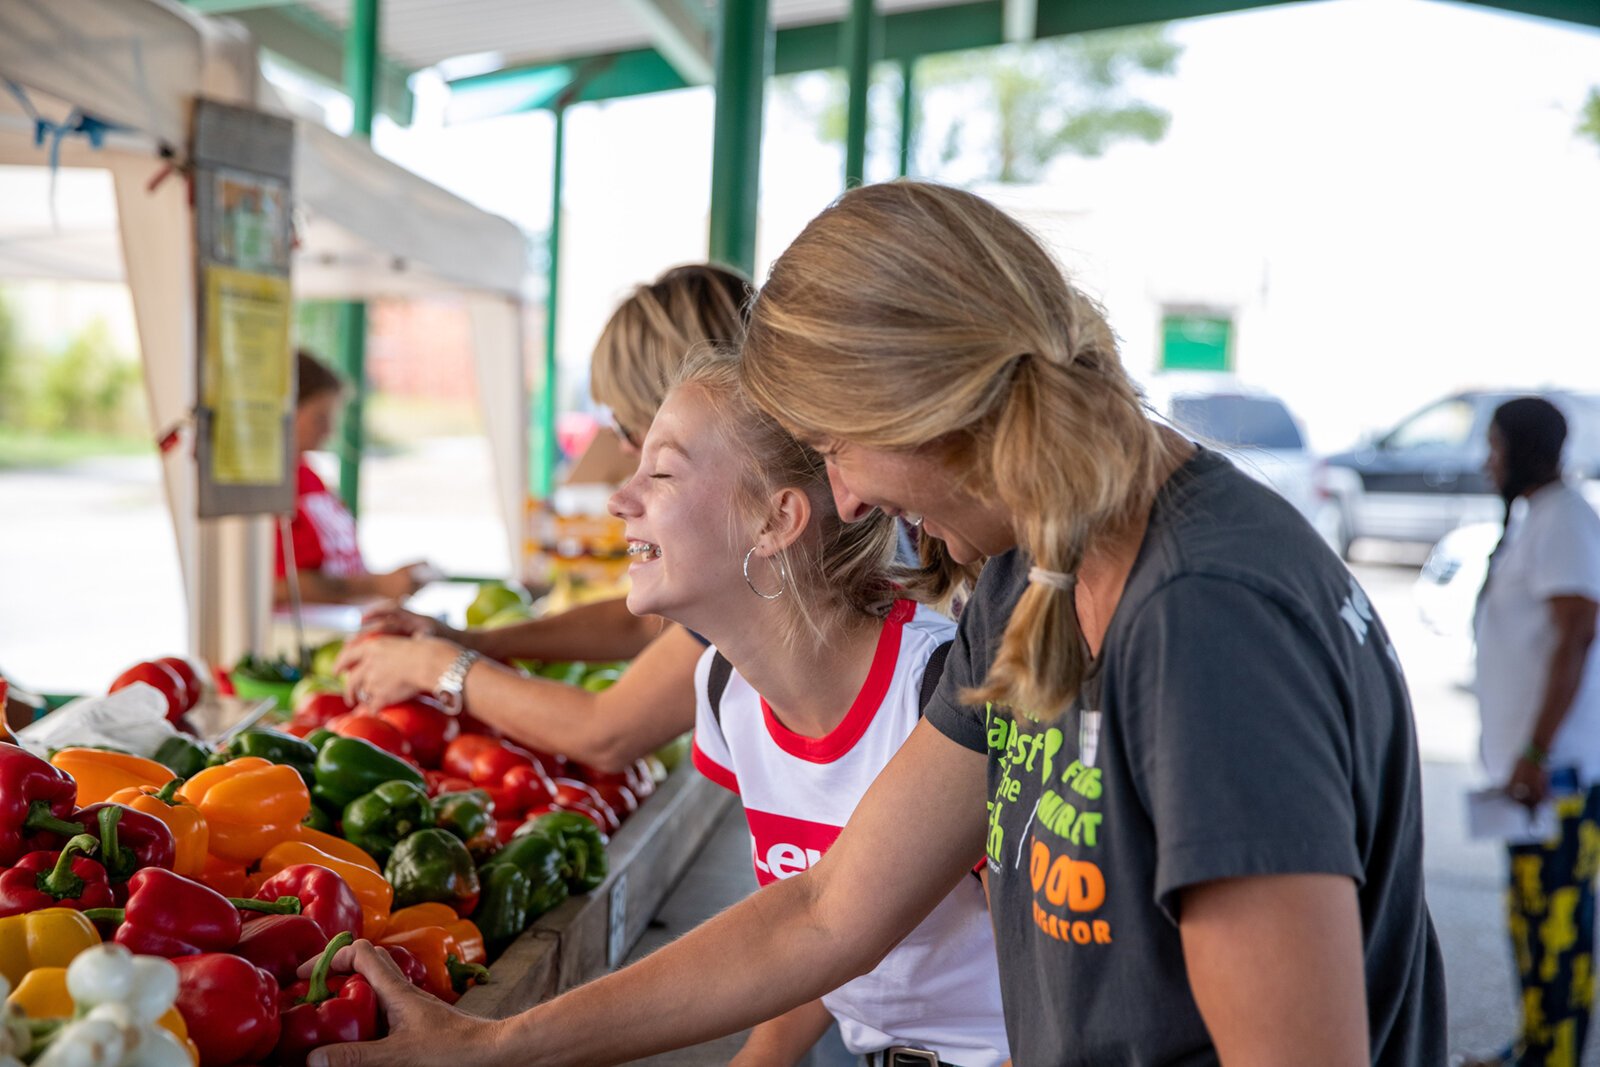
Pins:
<point x="913" y="316"/>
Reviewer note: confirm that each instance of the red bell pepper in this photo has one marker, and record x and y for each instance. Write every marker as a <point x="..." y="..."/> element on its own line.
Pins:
<point x="36" y="800"/>
<point x="425" y="725"/>
<point x="512" y="775"/>
<point x="408" y="963"/>
<point x="129" y="840"/>
<point x="324" y="896"/>
<point x="325" y="1010"/>
<point x="369" y="727"/>
<point x="230" y="1007"/>
<point x="169" y="915"/>
<point x="279" y="944"/>
<point x="65" y="879"/>
<point x="440" y="782"/>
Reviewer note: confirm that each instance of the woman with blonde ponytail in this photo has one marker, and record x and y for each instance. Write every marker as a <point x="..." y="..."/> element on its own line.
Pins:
<point x="1170" y="720"/>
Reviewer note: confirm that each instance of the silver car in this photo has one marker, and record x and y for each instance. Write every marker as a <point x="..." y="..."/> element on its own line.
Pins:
<point x="1253" y="428"/>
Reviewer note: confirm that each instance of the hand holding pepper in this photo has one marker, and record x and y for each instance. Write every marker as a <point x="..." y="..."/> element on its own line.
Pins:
<point x="325" y="1010"/>
<point x="413" y="1017"/>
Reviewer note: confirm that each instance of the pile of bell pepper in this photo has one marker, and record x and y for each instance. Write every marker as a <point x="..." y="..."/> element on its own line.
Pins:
<point x="220" y="876"/>
<point x="242" y="864"/>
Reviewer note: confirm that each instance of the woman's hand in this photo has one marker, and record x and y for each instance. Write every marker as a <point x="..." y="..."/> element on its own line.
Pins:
<point x="403" y="581"/>
<point x="422" y="1029"/>
<point x="393" y="619"/>
<point x="1529" y="783"/>
<point x="379" y="671"/>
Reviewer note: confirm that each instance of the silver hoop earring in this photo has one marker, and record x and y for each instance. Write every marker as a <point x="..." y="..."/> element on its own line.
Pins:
<point x="783" y="578"/>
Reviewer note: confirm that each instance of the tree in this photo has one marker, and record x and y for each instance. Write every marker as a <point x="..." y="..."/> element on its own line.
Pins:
<point x="1589" y="117"/>
<point x="1004" y="113"/>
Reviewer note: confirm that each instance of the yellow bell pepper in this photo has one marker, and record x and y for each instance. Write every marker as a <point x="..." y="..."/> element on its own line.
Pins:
<point x="42" y="994"/>
<point x="249" y="804"/>
<point x="100" y="773"/>
<point x="50" y="937"/>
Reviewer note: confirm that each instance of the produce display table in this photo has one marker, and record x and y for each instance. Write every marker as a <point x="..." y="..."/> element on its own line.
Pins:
<point x="591" y="934"/>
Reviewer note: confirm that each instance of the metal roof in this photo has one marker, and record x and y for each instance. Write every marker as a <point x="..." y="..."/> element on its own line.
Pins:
<point x="599" y="49"/>
<point x="424" y="33"/>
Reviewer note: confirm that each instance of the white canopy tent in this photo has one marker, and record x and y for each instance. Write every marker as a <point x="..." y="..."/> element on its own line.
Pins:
<point x="366" y="228"/>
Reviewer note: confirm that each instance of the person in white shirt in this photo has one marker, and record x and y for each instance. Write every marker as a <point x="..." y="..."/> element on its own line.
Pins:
<point x="814" y="681"/>
<point x="1539" y="698"/>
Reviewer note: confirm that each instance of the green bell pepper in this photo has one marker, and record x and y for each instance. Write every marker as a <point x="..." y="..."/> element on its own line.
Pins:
<point x="321" y="736"/>
<point x="274" y="746"/>
<point x="469" y="815"/>
<point x="502" y="911"/>
<point x="432" y="865"/>
<point x="182" y="756"/>
<point x="349" y="767"/>
<point x="376" y="821"/>
<point x="540" y="858"/>
<point x="580" y="843"/>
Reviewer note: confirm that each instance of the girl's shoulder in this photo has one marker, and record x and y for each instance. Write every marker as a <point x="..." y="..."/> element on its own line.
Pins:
<point x="927" y="629"/>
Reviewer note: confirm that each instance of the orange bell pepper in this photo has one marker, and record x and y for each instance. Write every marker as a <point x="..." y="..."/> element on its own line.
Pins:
<point x="448" y="973"/>
<point x="225" y="876"/>
<point x="372" y="890"/>
<point x="100" y="773"/>
<point x="336" y="846"/>
<point x="249" y="805"/>
<point x="42" y="994"/>
<point x="465" y="931"/>
<point x="188" y="826"/>
<point x="50" y="937"/>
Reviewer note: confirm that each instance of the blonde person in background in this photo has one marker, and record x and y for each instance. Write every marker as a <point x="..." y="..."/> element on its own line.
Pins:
<point x="1170" y="720"/>
<point x="642" y="347"/>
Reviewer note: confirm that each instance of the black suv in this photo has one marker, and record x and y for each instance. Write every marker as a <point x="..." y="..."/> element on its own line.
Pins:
<point x="1425" y="477"/>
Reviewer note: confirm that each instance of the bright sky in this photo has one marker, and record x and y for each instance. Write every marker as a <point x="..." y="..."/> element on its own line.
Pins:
<point x="1372" y="180"/>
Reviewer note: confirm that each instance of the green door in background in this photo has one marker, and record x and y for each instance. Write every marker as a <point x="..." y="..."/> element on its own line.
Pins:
<point x="1196" y="341"/>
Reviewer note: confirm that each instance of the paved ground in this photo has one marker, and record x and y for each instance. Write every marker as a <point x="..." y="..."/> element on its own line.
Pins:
<point x="89" y="584"/>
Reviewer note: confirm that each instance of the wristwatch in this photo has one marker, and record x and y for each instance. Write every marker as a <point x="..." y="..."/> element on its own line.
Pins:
<point x="453" y="682"/>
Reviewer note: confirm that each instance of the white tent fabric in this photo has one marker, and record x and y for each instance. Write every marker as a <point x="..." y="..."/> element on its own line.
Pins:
<point x="368" y="229"/>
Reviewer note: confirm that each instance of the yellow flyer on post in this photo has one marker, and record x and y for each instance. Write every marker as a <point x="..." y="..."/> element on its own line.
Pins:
<point x="247" y="374"/>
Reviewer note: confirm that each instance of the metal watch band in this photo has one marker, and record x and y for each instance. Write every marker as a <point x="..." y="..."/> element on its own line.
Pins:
<point x="453" y="682"/>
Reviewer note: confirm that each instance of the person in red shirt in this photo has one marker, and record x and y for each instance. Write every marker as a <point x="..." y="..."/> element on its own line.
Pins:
<point x="326" y="553"/>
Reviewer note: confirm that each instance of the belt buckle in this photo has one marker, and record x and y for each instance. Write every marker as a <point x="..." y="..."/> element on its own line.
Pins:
<point x="904" y="1056"/>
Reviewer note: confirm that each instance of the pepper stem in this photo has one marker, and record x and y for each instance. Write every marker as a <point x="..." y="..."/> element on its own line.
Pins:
<point x="464" y="975"/>
<point x="42" y="820"/>
<point x="110" y="854"/>
<point x="318" y="990"/>
<point x="60" y="881"/>
<point x="106" y="915"/>
<point x="281" y="906"/>
<point x="169" y="790"/>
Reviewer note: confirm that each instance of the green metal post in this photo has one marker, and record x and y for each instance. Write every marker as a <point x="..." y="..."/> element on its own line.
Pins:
<point x="543" y="460"/>
<point x="860" y="48"/>
<point x="360" y="77"/>
<point x="744" y="63"/>
<point x="908" y="109"/>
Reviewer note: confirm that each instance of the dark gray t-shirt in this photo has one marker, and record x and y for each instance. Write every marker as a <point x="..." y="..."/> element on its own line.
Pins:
<point x="1247" y="716"/>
